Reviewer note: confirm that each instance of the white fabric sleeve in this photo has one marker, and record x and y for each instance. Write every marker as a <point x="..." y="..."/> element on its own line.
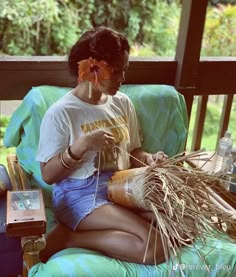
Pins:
<point x="134" y="127"/>
<point x="54" y="135"/>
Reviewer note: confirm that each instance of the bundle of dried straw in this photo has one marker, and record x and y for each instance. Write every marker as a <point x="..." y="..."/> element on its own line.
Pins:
<point x="180" y="197"/>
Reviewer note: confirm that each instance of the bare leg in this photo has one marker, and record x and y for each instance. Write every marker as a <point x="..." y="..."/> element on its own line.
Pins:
<point x="114" y="231"/>
<point x="148" y="216"/>
<point x="56" y="240"/>
<point x="124" y="235"/>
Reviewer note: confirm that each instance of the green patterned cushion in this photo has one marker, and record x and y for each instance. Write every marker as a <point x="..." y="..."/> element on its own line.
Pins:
<point x="161" y="111"/>
<point x="162" y="114"/>
<point x="163" y="117"/>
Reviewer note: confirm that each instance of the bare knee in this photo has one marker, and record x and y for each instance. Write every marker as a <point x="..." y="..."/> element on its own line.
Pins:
<point x="151" y="253"/>
<point x="154" y="255"/>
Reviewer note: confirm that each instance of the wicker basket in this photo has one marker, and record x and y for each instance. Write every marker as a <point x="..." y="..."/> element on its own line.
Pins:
<point x="126" y="187"/>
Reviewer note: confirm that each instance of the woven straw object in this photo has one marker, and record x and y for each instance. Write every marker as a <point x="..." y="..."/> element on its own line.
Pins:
<point x="181" y="197"/>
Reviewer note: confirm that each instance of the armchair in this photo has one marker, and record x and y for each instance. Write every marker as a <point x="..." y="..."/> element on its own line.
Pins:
<point x="163" y="117"/>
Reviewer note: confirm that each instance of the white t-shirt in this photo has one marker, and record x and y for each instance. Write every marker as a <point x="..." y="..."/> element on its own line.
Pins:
<point x="70" y="118"/>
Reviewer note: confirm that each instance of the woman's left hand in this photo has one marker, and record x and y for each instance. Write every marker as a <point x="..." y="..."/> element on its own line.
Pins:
<point x="158" y="157"/>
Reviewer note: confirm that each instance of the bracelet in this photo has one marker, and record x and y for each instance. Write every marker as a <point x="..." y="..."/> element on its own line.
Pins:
<point x="71" y="154"/>
<point x="65" y="165"/>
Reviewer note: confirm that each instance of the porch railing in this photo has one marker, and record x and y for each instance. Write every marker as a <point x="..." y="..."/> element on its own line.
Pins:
<point x="19" y="74"/>
<point x="190" y="74"/>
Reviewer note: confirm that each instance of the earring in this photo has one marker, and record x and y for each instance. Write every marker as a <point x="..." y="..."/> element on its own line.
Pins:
<point x="90" y="90"/>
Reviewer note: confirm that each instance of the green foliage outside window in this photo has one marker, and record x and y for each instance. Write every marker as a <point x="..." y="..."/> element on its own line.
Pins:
<point x="42" y="27"/>
<point x="220" y="31"/>
<point x="4" y="120"/>
<point x="50" y="27"/>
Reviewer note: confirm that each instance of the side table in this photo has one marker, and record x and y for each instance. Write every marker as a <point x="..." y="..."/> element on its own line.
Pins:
<point x="26" y="219"/>
<point x="222" y="196"/>
<point x="208" y="165"/>
<point x="11" y="254"/>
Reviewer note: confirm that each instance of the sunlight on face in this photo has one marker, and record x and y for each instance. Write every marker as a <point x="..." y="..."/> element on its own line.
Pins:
<point x="119" y="66"/>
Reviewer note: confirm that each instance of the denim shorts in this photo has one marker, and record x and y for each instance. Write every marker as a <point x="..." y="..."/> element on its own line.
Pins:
<point x="73" y="199"/>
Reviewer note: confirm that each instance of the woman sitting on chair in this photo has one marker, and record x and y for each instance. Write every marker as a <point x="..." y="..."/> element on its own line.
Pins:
<point x="88" y="134"/>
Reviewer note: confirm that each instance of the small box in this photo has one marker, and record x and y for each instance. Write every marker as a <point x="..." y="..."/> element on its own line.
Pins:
<point x="25" y="213"/>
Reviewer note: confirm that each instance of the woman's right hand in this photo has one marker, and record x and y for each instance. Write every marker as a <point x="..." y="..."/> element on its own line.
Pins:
<point x="95" y="141"/>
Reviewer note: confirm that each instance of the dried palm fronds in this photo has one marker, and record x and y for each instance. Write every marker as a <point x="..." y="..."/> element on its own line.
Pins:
<point x="181" y="198"/>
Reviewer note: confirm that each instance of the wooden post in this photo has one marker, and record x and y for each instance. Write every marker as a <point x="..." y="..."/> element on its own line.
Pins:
<point x="189" y="48"/>
<point x="189" y="42"/>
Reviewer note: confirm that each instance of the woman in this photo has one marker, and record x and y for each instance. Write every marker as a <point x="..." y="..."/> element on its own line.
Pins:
<point x="87" y="135"/>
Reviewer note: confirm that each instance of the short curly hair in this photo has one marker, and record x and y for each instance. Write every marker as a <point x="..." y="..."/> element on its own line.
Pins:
<point x="100" y="43"/>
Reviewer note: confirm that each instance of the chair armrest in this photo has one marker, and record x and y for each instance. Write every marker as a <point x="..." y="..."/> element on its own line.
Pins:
<point x="5" y="182"/>
<point x="19" y="178"/>
<point x="31" y="246"/>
